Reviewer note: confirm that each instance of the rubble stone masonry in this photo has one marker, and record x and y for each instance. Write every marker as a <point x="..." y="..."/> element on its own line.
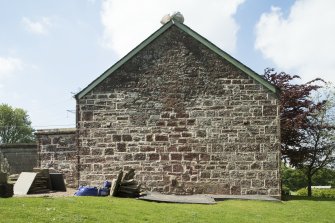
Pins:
<point x="187" y="120"/>
<point x="57" y="149"/>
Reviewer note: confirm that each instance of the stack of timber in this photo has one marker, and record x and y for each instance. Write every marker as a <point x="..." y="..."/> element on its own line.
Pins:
<point x="6" y="189"/>
<point x="125" y="185"/>
<point x="41" y="182"/>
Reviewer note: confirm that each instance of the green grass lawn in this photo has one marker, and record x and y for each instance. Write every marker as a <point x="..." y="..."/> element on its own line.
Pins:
<point x="108" y="209"/>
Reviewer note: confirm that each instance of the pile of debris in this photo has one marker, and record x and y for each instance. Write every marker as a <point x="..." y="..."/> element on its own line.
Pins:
<point x="6" y="189"/>
<point x="125" y="185"/>
<point x="37" y="182"/>
<point x="41" y="183"/>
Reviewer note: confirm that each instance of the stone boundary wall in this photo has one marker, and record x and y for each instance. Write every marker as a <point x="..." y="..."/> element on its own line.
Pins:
<point x="57" y="149"/>
<point x="19" y="157"/>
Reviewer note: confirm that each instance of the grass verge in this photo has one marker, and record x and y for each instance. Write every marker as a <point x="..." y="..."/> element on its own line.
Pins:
<point x="107" y="209"/>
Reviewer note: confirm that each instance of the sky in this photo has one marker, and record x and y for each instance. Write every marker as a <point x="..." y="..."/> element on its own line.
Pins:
<point x="50" y="50"/>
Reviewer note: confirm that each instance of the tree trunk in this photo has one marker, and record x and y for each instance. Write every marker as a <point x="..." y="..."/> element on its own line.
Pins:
<point x="309" y="188"/>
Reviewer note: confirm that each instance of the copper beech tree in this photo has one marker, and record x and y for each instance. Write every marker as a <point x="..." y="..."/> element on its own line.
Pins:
<point x="307" y="127"/>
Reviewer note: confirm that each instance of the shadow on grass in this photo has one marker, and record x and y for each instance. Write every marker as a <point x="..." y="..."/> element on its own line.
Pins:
<point x="305" y="198"/>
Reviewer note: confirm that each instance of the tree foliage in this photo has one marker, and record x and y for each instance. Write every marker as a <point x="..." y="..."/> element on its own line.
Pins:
<point x="15" y="126"/>
<point x="294" y="179"/>
<point x="318" y="143"/>
<point x="295" y="106"/>
<point x="307" y="129"/>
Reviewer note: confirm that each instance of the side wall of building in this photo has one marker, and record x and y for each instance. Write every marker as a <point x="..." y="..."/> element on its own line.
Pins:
<point x="17" y="158"/>
<point x="57" y="149"/>
<point x="187" y="120"/>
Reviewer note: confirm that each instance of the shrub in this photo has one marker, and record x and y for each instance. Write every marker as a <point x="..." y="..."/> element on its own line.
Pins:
<point x="324" y="193"/>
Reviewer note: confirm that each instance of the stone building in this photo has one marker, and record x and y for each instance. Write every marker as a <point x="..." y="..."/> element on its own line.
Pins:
<point x="186" y="115"/>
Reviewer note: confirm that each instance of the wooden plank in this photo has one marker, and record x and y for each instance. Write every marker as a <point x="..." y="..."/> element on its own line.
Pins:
<point x="130" y="187"/>
<point x="43" y="174"/>
<point x="128" y="182"/>
<point x="130" y="175"/>
<point x="116" y="184"/>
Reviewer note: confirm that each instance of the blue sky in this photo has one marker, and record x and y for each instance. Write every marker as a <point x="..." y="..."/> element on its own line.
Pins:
<point x="52" y="49"/>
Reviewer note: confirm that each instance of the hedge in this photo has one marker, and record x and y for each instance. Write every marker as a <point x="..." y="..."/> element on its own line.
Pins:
<point x="325" y="193"/>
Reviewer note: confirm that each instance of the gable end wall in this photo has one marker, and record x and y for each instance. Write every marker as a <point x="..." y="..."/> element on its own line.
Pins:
<point x="185" y="119"/>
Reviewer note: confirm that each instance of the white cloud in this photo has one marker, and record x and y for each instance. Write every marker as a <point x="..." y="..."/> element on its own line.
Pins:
<point x="128" y="22"/>
<point x="302" y="42"/>
<point x="39" y="27"/>
<point x="9" y="65"/>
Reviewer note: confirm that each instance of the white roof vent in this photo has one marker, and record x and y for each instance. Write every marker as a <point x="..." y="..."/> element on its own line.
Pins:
<point x="176" y="17"/>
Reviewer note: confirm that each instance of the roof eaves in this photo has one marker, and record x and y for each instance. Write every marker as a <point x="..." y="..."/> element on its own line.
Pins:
<point x="229" y="58"/>
<point x="123" y="60"/>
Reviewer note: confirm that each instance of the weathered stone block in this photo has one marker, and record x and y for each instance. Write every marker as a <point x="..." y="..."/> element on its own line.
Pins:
<point x="164" y="156"/>
<point x="182" y="115"/>
<point x="177" y="168"/>
<point x="191" y="156"/>
<point x="128" y="157"/>
<point x="121" y="147"/>
<point x="172" y="123"/>
<point x="176" y="156"/>
<point x="270" y="110"/>
<point x="95" y="152"/>
<point x="204" y="157"/>
<point x="190" y="122"/>
<point x="271" y="183"/>
<point x="235" y="190"/>
<point x="161" y="138"/>
<point x="85" y="167"/>
<point x="153" y="156"/>
<point x="256" y="166"/>
<point x="201" y="133"/>
<point x="260" y="156"/>
<point x="109" y="151"/>
<point x="186" y="134"/>
<point x="167" y="168"/>
<point x="270" y="165"/>
<point x="184" y="149"/>
<point x="116" y="138"/>
<point x="149" y="138"/>
<point x="205" y="174"/>
<point x="180" y="129"/>
<point x="139" y="156"/>
<point x="172" y="149"/>
<point x="127" y="138"/>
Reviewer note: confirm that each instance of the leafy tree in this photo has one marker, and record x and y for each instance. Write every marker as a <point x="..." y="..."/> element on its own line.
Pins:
<point x="295" y="105"/>
<point x="324" y="177"/>
<point x="293" y="179"/>
<point x="318" y="144"/>
<point x="15" y="126"/>
<point x="306" y="128"/>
